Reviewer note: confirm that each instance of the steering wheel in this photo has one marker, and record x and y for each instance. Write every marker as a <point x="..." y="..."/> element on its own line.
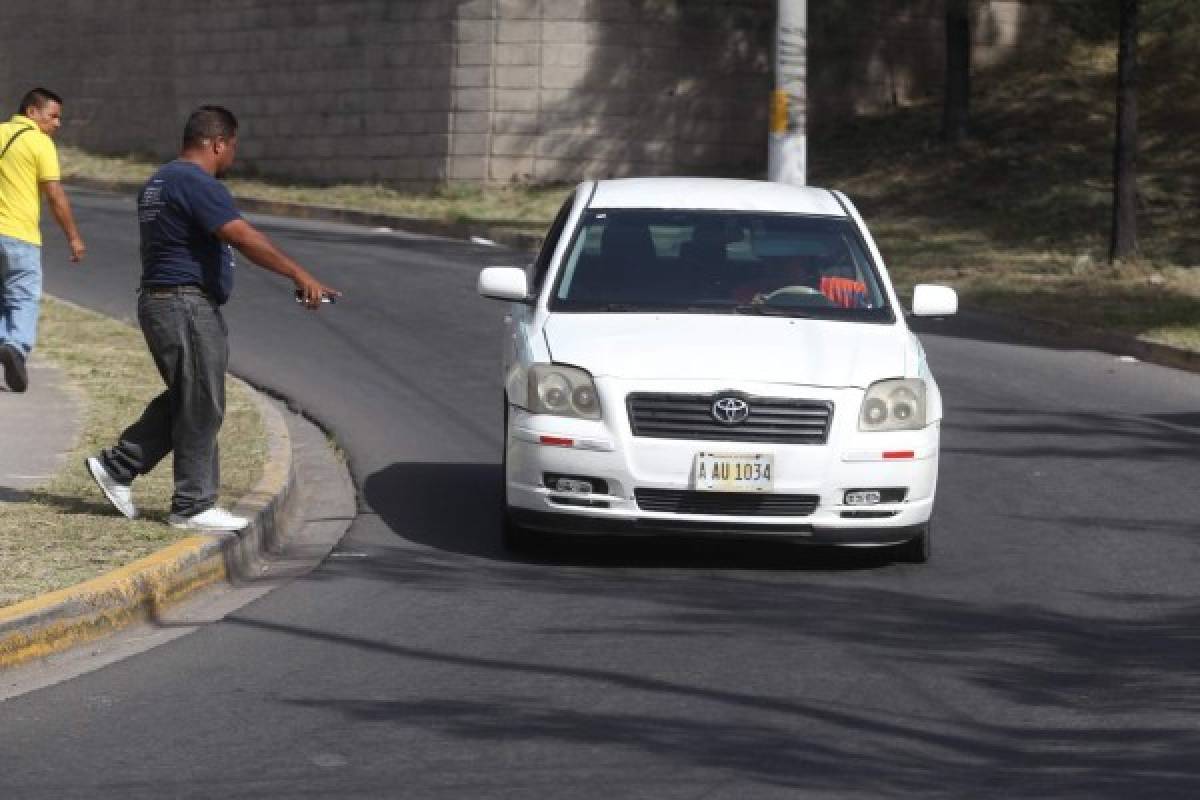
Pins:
<point x="796" y="296"/>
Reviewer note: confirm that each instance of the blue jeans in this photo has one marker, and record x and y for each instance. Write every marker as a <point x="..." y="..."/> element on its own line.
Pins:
<point x="21" y="270"/>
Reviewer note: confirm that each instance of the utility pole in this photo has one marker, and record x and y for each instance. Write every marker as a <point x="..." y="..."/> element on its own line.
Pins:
<point x="787" y="154"/>
<point x="1123" y="244"/>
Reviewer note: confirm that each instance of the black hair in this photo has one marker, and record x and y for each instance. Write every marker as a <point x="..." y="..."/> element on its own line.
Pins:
<point x="209" y="122"/>
<point x="38" y="98"/>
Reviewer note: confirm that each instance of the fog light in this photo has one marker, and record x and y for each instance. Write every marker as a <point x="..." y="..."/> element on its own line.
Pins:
<point x="573" y="485"/>
<point x="863" y="497"/>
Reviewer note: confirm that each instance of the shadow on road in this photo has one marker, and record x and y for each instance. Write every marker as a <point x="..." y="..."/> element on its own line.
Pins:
<point x="1068" y="673"/>
<point x="456" y="507"/>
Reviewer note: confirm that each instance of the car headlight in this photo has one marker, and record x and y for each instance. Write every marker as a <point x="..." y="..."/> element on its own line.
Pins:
<point x="562" y="391"/>
<point x="894" y="405"/>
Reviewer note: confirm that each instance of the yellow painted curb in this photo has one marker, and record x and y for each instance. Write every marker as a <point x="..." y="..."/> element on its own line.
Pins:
<point x="50" y="623"/>
<point x="53" y="622"/>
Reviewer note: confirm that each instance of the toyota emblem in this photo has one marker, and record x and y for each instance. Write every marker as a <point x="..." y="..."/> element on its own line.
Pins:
<point x="730" y="410"/>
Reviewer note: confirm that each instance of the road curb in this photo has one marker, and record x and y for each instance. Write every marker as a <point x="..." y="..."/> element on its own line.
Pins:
<point x="50" y="623"/>
<point x="1062" y="333"/>
<point x="501" y="234"/>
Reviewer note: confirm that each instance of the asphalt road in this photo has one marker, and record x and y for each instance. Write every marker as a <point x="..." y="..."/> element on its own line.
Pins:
<point x="1049" y="649"/>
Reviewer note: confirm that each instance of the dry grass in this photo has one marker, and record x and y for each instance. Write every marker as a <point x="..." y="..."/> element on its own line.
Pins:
<point x="509" y="206"/>
<point x="520" y="207"/>
<point x="67" y="532"/>
<point x="1017" y="219"/>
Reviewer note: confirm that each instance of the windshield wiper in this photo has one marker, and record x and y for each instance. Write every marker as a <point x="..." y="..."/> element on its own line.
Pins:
<point x="651" y="308"/>
<point x="694" y="308"/>
<point x="594" y="308"/>
<point x="760" y="309"/>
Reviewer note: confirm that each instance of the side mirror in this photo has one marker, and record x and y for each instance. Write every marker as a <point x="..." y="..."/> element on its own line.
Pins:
<point x="931" y="300"/>
<point x="503" y="283"/>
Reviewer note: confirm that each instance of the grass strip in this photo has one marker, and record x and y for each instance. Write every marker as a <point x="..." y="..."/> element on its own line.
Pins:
<point x="66" y="532"/>
<point x="522" y="207"/>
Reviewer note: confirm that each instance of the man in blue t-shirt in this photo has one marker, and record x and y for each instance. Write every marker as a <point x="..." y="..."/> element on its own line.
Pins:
<point x="189" y="227"/>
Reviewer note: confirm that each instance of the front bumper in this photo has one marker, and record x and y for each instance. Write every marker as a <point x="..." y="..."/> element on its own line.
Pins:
<point x="595" y="525"/>
<point x="538" y="445"/>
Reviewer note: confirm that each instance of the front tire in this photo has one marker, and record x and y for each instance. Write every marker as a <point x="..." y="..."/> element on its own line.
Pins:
<point x="514" y="537"/>
<point x="918" y="549"/>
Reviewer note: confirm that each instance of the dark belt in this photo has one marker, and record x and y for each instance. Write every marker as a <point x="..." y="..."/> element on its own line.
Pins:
<point x="184" y="288"/>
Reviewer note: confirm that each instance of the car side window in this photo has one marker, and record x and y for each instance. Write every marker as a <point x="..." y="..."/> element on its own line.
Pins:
<point x="542" y="264"/>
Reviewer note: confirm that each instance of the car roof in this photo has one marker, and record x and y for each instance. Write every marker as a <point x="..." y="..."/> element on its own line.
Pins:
<point x="715" y="194"/>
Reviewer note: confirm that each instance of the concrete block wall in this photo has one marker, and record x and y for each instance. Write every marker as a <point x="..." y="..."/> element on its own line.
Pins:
<point x="419" y="92"/>
<point x="559" y="90"/>
<point x="112" y="64"/>
<point x="325" y="90"/>
<point x="593" y="88"/>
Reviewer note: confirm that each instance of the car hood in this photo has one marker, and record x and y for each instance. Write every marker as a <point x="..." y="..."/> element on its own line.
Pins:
<point x="727" y="347"/>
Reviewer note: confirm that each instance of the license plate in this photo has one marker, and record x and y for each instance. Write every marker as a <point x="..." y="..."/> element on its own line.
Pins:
<point x="733" y="472"/>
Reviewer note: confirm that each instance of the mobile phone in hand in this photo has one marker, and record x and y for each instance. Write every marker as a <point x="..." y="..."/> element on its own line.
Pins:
<point x="325" y="298"/>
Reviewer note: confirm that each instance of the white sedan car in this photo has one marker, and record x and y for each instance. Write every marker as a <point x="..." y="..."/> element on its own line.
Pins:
<point x="716" y="357"/>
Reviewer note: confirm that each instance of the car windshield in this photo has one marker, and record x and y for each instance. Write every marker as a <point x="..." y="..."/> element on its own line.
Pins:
<point x="719" y="262"/>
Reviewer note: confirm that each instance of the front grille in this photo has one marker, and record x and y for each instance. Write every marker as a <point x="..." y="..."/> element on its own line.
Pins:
<point x="741" y="504"/>
<point x="689" y="416"/>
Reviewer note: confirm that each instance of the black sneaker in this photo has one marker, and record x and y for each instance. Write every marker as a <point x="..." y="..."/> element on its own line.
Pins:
<point x="14" y="368"/>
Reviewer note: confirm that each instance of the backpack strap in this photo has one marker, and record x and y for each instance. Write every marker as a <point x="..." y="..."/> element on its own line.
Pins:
<point x="13" y="139"/>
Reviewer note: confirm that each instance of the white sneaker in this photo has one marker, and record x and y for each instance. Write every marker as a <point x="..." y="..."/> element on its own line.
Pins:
<point x="120" y="495"/>
<point x="214" y="519"/>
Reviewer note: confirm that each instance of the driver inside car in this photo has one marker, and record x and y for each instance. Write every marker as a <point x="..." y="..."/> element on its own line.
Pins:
<point x="801" y="280"/>
<point x="777" y="275"/>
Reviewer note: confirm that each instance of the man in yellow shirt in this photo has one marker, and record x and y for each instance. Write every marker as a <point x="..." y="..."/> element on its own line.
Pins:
<point x="28" y="169"/>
